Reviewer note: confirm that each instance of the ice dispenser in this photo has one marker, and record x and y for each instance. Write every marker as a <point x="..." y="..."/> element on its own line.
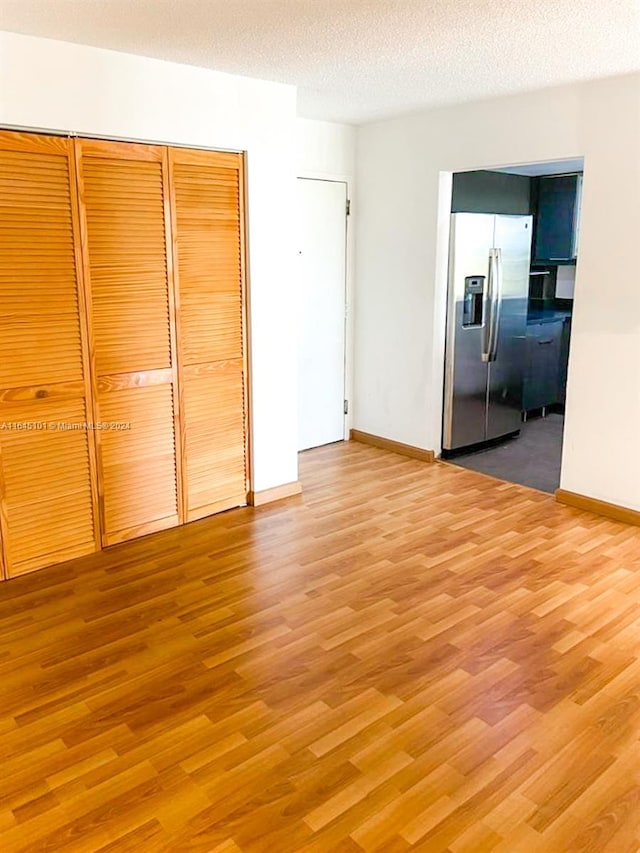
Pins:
<point x="473" y="300"/>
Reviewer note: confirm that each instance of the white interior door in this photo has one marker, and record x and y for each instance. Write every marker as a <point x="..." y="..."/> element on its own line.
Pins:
<point x="321" y="212"/>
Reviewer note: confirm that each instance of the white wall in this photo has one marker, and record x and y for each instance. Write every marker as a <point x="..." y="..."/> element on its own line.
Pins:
<point x="59" y="86"/>
<point x="327" y="151"/>
<point x="403" y="175"/>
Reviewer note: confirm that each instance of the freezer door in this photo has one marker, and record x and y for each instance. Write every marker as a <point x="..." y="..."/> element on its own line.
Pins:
<point x="506" y="370"/>
<point x="465" y="373"/>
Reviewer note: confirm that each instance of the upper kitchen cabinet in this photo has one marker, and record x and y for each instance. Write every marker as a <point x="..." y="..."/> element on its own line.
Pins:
<point x="557" y="219"/>
<point x="491" y="192"/>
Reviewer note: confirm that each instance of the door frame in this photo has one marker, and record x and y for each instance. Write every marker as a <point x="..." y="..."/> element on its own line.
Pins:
<point x="348" y="288"/>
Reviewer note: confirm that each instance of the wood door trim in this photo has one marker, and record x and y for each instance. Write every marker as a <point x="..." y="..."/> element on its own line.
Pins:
<point x="207" y="157"/>
<point x="128" y="533"/>
<point x="34" y="564"/>
<point x="92" y="402"/>
<point x="208" y="367"/>
<point x="57" y="133"/>
<point x="219" y="506"/>
<point x="120" y="150"/>
<point x="173" y="276"/>
<point x="59" y="391"/>
<point x="4" y="526"/>
<point x="174" y="333"/>
<point x="618" y="513"/>
<point x="136" y="379"/>
<point x="85" y="339"/>
<point x="277" y="493"/>
<point x="394" y="446"/>
<point x="32" y="143"/>
<point x="245" y="319"/>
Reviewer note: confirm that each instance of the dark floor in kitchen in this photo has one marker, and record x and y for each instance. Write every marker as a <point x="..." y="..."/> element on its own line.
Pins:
<point x="532" y="459"/>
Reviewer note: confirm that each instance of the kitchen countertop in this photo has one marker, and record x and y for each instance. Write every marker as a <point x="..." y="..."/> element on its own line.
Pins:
<point x="547" y="315"/>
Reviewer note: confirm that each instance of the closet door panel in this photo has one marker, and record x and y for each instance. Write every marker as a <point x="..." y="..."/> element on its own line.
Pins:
<point x="47" y="483"/>
<point x="215" y="458"/>
<point x="139" y="472"/>
<point x="209" y="260"/>
<point x="207" y="225"/>
<point x="48" y="499"/>
<point x="124" y="203"/>
<point x="44" y="351"/>
<point x="123" y="194"/>
<point x="39" y="312"/>
<point x="211" y="330"/>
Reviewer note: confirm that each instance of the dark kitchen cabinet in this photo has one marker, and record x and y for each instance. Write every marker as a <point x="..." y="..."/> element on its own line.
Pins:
<point x="542" y="379"/>
<point x="490" y="192"/>
<point x="557" y="219"/>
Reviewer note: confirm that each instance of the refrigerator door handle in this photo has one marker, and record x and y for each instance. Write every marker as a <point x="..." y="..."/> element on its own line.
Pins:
<point x="497" y="311"/>
<point x="492" y="306"/>
<point x="486" y="311"/>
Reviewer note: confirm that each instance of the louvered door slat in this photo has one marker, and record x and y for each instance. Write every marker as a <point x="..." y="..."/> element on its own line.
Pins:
<point x="123" y="194"/>
<point x="207" y="223"/>
<point x="47" y="481"/>
<point x="126" y="241"/>
<point x="139" y="462"/>
<point x="47" y="471"/>
<point x="215" y="459"/>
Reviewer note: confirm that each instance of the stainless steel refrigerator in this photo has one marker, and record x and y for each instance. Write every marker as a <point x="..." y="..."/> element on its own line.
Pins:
<point x="489" y="260"/>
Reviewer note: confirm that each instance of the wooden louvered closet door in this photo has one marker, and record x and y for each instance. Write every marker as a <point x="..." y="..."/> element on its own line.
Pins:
<point x="207" y="214"/>
<point x="47" y="462"/>
<point x="123" y="200"/>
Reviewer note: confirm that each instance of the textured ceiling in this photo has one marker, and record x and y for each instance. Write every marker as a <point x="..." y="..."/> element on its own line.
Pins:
<point x="356" y="60"/>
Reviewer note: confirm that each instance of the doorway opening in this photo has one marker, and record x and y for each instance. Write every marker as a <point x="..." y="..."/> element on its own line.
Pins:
<point x="512" y="262"/>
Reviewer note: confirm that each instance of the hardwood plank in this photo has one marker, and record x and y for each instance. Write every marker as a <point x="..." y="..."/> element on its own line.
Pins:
<point x="407" y="656"/>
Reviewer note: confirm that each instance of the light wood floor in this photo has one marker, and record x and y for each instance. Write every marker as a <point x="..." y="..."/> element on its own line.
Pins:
<point x="406" y="657"/>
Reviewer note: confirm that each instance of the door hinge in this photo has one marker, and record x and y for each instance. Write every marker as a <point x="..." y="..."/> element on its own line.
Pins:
<point x="348" y="207"/>
<point x="346" y="407"/>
